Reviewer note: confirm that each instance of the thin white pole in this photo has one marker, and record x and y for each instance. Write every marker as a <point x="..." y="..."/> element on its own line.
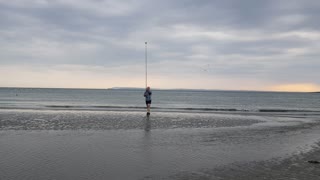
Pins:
<point x="146" y="58"/>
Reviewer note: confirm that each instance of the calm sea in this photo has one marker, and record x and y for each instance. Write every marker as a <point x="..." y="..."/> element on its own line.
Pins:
<point x="162" y="100"/>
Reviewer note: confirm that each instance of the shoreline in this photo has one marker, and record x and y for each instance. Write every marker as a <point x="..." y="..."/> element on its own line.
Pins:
<point x="259" y="112"/>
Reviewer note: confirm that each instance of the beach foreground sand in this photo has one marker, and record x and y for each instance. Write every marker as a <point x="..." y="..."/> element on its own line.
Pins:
<point x="293" y="167"/>
<point x="129" y="145"/>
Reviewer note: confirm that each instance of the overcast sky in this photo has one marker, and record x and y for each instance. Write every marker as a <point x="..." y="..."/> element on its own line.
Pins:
<point x="203" y="44"/>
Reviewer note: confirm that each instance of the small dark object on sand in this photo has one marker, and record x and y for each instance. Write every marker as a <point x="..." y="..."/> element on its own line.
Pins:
<point x="314" y="162"/>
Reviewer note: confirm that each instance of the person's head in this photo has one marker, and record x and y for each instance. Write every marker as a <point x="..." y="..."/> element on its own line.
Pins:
<point x="148" y="88"/>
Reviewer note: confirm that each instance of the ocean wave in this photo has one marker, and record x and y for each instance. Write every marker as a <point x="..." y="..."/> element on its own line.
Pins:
<point x="284" y="110"/>
<point x="163" y="109"/>
<point x="140" y="107"/>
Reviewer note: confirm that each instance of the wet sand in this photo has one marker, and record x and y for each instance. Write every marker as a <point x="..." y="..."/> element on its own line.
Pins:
<point x="130" y="145"/>
<point x="292" y="167"/>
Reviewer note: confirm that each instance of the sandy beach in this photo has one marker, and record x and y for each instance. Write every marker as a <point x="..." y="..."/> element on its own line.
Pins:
<point x="293" y="167"/>
<point x="129" y="145"/>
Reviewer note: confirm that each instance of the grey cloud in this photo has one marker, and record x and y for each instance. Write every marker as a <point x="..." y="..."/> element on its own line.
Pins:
<point x="237" y="37"/>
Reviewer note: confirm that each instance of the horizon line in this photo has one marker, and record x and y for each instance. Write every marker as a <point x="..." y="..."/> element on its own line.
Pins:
<point x="142" y="88"/>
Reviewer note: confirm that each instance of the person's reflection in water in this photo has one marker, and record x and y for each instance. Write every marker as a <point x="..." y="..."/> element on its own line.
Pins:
<point x="147" y="124"/>
<point x="147" y="157"/>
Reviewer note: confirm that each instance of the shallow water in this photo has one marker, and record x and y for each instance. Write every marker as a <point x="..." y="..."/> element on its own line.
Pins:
<point x="98" y="120"/>
<point x="130" y="145"/>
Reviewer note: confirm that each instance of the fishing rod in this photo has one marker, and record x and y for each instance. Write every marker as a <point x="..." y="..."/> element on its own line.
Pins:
<point x="146" y="59"/>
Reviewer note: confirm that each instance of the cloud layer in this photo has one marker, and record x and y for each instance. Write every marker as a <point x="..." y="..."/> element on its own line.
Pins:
<point x="232" y="44"/>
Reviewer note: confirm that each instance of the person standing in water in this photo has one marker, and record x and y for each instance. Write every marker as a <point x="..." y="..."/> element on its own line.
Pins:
<point x="147" y="95"/>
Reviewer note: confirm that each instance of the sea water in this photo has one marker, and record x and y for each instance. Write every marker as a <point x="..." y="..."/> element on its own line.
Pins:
<point x="162" y="100"/>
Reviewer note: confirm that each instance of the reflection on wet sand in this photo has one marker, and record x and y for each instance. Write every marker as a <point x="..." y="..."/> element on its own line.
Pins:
<point x="147" y="124"/>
